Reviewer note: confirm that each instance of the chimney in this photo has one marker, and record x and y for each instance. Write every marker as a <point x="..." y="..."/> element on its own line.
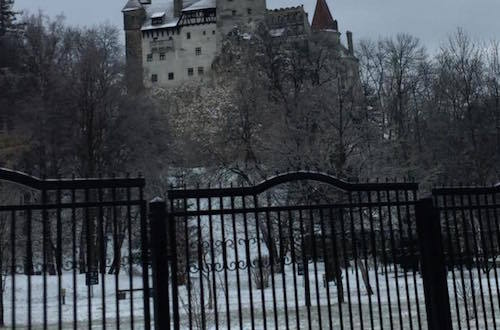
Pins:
<point x="350" y="45"/>
<point x="178" y="7"/>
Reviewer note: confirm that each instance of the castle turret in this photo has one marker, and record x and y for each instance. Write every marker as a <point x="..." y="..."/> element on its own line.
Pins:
<point x="134" y="15"/>
<point x="323" y="22"/>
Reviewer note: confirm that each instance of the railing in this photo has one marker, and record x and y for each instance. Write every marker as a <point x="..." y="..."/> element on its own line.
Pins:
<point x="334" y="255"/>
<point x="73" y="252"/>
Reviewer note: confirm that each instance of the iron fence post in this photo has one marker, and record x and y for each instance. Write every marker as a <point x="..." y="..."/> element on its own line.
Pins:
<point x="159" y="261"/>
<point x="433" y="266"/>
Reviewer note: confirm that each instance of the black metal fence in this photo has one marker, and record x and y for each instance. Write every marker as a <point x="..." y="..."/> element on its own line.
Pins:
<point x="300" y="250"/>
<point x="73" y="253"/>
<point x="471" y="233"/>
<point x="290" y="254"/>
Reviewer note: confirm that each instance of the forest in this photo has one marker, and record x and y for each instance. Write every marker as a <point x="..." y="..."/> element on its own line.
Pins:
<point x="268" y="105"/>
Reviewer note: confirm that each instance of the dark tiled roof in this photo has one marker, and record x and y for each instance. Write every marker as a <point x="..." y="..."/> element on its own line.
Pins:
<point x="323" y="19"/>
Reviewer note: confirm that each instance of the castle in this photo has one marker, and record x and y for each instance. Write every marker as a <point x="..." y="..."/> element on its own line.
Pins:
<point x="169" y="42"/>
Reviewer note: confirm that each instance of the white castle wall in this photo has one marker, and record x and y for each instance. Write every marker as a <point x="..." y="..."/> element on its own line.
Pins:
<point x="180" y="54"/>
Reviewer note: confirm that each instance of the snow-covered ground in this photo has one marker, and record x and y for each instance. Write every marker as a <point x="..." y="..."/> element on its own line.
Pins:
<point x="356" y="310"/>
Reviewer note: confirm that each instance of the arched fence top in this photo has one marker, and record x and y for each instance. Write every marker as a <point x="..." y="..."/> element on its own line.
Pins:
<point x="286" y="178"/>
<point x="33" y="182"/>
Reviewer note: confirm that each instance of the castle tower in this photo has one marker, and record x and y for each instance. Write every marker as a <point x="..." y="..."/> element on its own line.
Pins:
<point x="134" y="15"/>
<point x="323" y="22"/>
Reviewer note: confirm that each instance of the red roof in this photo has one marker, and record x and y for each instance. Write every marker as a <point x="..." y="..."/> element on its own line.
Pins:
<point x="323" y="19"/>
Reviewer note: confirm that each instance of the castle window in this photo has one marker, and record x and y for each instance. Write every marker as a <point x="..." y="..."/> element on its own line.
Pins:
<point x="162" y="56"/>
<point x="188" y="35"/>
<point x="170" y="76"/>
<point x="154" y="78"/>
<point x="157" y="18"/>
<point x="150" y="57"/>
<point x="201" y="71"/>
<point x="249" y="11"/>
<point x="204" y="33"/>
<point x="234" y="12"/>
<point x="190" y="72"/>
<point x="213" y="32"/>
<point x="198" y="51"/>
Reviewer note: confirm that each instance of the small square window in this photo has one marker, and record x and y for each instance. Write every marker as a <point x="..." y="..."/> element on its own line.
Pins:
<point x="170" y="76"/>
<point x="162" y="56"/>
<point x="198" y="51"/>
<point x="188" y="35"/>
<point x="213" y="32"/>
<point x="154" y="78"/>
<point x="249" y="11"/>
<point x="234" y="12"/>
<point x="150" y="58"/>
<point x="201" y="70"/>
<point x="190" y="71"/>
<point x="204" y="33"/>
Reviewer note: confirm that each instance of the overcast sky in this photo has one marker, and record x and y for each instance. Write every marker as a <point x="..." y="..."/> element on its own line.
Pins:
<point x="430" y="20"/>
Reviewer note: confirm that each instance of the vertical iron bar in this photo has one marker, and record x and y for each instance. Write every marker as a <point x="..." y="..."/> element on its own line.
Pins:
<point x="475" y="249"/>
<point x="282" y="265"/>
<point x="89" y="260"/>
<point x="213" y="263"/>
<point x="145" y="260"/>
<point x="305" y="262"/>
<point x="467" y="256"/>
<point x="497" y="232"/>
<point x="413" y="253"/>
<point x="294" y="260"/>
<point x="237" y="262"/>
<point x="337" y="268"/>
<point x="29" y="257"/>
<point x="384" y="257"/>
<point x="403" y="254"/>
<point x="59" y="257"/>
<point x="375" y="257"/>
<point x="393" y="250"/>
<point x="44" y="251"/>
<point x="224" y="261"/>
<point x="13" y="265"/>
<point x="315" y="265"/>
<point x="325" y="262"/>
<point x="490" y="232"/>
<point x="172" y="241"/>
<point x="116" y="257"/>
<point x="365" y="256"/>
<point x="259" y="253"/>
<point x="73" y="252"/>
<point x="188" y="264"/>
<point x="484" y="249"/>
<point x="200" y="266"/>
<point x="452" y="257"/>
<point x="346" y="264"/>
<point x="272" y="261"/>
<point x="102" y="253"/>
<point x="249" y="262"/>
<point x="130" y="258"/>
<point x="354" y="246"/>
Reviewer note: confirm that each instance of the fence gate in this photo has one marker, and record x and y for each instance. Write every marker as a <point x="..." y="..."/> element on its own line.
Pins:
<point x="73" y="253"/>
<point x="300" y="250"/>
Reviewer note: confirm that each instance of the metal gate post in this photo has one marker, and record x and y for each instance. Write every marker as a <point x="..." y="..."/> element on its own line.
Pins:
<point x="159" y="261"/>
<point x="433" y="266"/>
